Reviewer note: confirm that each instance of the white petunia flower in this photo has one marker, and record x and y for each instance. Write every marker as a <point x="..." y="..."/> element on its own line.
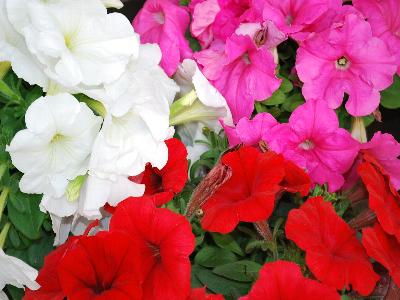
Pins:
<point x="201" y="106"/>
<point x="14" y="50"/>
<point x="133" y="132"/>
<point x="17" y="273"/>
<point x="56" y="145"/>
<point x="77" y="42"/>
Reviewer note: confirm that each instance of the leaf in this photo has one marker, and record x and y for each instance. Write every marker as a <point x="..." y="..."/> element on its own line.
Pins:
<point x="244" y="270"/>
<point x="30" y="221"/>
<point x="219" y="284"/>
<point x="292" y="102"/>
<point x="213" y="256"/>
<point x="278" y="97"/>
<point x="225" y="241"/>
<point x="390" y="98"/>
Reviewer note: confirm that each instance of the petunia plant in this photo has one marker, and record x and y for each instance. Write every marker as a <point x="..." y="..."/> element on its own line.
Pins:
<point x="205" y="150"/>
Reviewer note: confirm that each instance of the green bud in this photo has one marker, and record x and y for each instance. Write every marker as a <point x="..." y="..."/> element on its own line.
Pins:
<point x="74" y="188"/>
<point x="4" y="68"/>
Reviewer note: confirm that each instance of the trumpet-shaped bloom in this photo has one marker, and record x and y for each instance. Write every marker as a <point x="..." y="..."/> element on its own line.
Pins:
<point x="383" y="248"/>
<point x="242" y="73"/>
<point x="200" y="105"/>
<point x="383" y="199"/>
<point x="250" y="132"/>
<point x="104" y="266"/>
<point x="76" y="41"/>
<point x="165" y="241"/>
<point x="383" y="17"/>
<point x="282" y="280"/>
<point x="171" y="179"/>
<point x="16" y="273"/>
<point x="346" y="59"/>
<point x="333" y="253"/>
<point x="249" y="194"/>
<point x="165" y="23"/>
<point x="56" y="145"/>
<point x="313" y="140"/>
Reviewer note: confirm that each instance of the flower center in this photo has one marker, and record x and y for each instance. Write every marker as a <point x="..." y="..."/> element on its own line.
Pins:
<point x="261" y="37"/>
<point x="289" y="20"/>
<point x="156" y="182"/>
<point x="246" y="59"/>
<point x="342" y="63"/>
<point x="57" y="138"/>
<point x="159" y="17"/>
<point x="155" y="249"/>
<point x="307" y="145"/>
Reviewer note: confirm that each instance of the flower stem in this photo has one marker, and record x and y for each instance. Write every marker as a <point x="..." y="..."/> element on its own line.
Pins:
<point x="3" y="234"/>
<point x="3" y="199"/>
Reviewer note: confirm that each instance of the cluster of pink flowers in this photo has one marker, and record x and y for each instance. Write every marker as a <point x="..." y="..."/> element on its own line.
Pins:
<point x="343" y="49"/>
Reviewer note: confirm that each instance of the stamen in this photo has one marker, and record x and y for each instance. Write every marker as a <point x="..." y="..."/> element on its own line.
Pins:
<point x="307" y="145"/>
<point x="342" y="63"/>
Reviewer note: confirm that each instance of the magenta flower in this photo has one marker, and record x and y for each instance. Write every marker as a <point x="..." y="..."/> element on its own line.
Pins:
<point x="383" y="15"/>
<point x="313" y="140"/>
<point x="165" y="22"/>
<point x="250" y="132"/>
<point x="346" y="59"/>
<point x="242" y="72"/>
<point x="299" y="18"/>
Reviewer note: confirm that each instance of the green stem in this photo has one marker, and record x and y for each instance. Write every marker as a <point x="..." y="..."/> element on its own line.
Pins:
<point x="3" y="234"/>
<point x="3" y="199"/>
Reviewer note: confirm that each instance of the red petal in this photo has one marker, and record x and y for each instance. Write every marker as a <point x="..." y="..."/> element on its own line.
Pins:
<point x="105" y="266"/>
<point x="171" y="179"/>
<point x="165" y="241"/>
<point x="383" y="248"/>
<point x="333" y="253"/>
<point x="249" y="194"/>
<point x="283" y="280"/>
<point x="296" y="179"/>
<point x="383" y="200"/>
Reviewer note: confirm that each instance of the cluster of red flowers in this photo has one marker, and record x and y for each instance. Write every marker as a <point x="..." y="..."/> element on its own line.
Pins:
<point x="145" y="253"/>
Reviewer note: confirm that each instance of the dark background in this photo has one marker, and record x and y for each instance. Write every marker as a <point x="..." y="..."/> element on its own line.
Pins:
<point x="390" y="117"/>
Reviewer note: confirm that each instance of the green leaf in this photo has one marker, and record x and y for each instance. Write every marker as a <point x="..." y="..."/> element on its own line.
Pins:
<point x="390" y="98"/>
<point x="219" y="284"/>
<point x="30" y="221"/>
<point x="286" y="85"/>
<point x="244" y="270"/>
<point x="278" y="97"/>
<point x="225" y="241"/>
<point x="213" y="256"/>
<point x="292" y="102"/>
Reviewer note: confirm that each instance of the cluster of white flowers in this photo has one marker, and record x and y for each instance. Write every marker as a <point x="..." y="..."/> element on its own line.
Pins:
<point x="79" y="157"/>
<point x="77" y="160"/>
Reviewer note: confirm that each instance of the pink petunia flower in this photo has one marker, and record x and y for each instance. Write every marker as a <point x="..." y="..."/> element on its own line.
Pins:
<point x="250" y="132"/>
<point x="242" y="72"/>
<point x="299" y="18"/>
<point x="346" y="59"/>
<point x="165" y="23"/>
<point x="383" y="15"/>
<point x="314" y="141"/>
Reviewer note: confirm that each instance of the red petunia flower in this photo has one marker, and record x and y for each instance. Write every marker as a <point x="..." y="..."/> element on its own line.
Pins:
<point x="200" y="294"/>
<point x="50" y="287"/>
<point x="333" y="253"/>
<point x="383" y="199"/>
<point x="249" y="195"/>
<point x="165" y="241"/>
<point x="104" y="266"/>
<point x="171" y="179"/>
<point x="383" y="248"/>
<point x="283" y="280"/>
